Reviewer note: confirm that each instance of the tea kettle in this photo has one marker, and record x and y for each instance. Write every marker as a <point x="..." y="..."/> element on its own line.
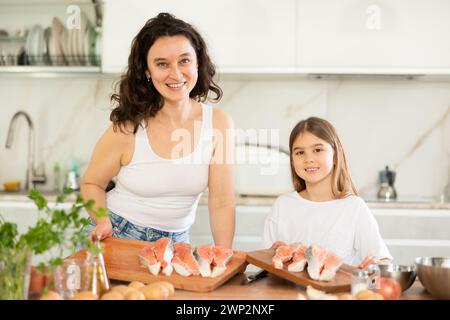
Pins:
<point x="387" y="190"/>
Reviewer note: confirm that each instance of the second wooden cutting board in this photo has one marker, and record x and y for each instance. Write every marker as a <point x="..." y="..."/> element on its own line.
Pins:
<point x="340" y="283"/>
<point x="122" y="263"/>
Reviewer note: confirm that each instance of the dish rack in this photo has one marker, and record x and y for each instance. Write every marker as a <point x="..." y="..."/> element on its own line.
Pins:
<point x="53" y="42"/>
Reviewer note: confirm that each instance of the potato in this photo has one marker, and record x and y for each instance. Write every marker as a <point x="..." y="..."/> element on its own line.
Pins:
<point x="51" y="295"/>
<point x="168" y="285"/>
<point x="85" y="295"/>
<point x="113" y="295"/>
<point x="122" y="289"/>
<point x="136" y="285"/>
<point x="376" y="296"/>
<point x="362" y="295"/>
<point x="368" y="295"/>
<point x="346" y="296"/>
<point x="155" y="291"/>
<point x="135" y="295"/>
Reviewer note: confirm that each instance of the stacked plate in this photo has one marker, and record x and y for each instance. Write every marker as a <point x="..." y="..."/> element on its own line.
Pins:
<point x="58" y="45"/>
<point x="82" y="42"/>
<point x="35" y="45"/>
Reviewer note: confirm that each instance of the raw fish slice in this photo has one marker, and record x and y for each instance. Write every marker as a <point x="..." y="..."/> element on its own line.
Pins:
<point x="164" y="254"/>
<point x="183" y="261"/>
<point x="282" y="254"/>
<point x="148" y="258"/>
<point x="221" y="258"/>
<point x="298" y="259"/>
<point x="315" y="256"/>
<point x="331" y="266"/>
<point x="205" y="256"/>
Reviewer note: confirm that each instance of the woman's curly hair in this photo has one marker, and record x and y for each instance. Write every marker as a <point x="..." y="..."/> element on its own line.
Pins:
<point x="138" y="99"/>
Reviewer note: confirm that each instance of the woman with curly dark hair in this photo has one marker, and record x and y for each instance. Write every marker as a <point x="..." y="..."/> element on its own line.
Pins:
<point x="165" y="145"/>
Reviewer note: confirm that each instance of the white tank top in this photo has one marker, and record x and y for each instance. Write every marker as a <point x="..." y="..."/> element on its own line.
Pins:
<point x="160" y="193"/>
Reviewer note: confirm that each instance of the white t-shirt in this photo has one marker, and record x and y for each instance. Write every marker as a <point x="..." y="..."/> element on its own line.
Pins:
<point x="345" y="226"/>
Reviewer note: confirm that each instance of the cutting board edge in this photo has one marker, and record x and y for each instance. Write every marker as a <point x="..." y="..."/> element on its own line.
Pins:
<point x="299" y="281"/>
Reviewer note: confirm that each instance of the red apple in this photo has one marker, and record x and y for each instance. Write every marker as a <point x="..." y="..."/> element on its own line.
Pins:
<point x="389" y="289"/>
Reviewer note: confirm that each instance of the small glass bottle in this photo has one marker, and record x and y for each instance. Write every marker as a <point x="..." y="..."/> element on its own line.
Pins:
<point x="96" y="278"/>
<point x="57" y="177"/>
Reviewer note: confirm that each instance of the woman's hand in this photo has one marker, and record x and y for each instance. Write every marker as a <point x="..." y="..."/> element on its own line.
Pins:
<point x="102" y="230"/>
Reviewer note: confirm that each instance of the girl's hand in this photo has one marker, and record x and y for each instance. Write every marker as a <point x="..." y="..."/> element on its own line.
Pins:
<point x="277" y="244"/>
<point x="102" y="230"/>
<point x="368" y="261"/>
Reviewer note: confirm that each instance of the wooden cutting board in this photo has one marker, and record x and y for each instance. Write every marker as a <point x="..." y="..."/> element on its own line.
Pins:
<point x="340" y="283"/>
<point x="122" y="263"/>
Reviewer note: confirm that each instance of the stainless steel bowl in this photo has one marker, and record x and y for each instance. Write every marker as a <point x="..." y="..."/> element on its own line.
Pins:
<point x="434" y="274"/>
<point x="404" y="275"/>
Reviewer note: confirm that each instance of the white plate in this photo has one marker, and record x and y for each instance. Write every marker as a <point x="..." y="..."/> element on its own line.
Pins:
<point x="30" y="44"/>
<point x="98" y="46"/>
<point x="57" y="41"/>
<point x="39" y="44"/>
<point x="81" y="34"/>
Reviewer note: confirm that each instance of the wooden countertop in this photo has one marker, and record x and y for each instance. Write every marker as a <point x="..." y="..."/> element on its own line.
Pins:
<point x="272" y="288"/>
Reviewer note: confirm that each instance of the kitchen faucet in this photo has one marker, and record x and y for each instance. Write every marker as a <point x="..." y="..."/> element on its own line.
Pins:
<point x="32" y="177"/>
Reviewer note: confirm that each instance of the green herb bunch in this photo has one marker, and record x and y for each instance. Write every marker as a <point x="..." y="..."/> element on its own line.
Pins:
<point x="56" y="230"/>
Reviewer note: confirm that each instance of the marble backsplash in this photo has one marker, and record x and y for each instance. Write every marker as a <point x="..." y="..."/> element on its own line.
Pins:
<point x="397" y="122"/>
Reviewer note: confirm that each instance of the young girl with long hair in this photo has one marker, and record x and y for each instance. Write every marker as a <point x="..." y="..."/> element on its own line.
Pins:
<point x="325" y="208"/>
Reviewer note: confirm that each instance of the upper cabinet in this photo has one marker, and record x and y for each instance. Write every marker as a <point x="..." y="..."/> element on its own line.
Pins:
<point x="298" y="36"/>
<point x="242" y="36"/>
<point x="376" y="36"/>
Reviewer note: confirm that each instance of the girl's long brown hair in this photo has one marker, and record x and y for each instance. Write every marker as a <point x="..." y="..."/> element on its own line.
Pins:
<point x="138" y="99"/>
<point x="342" y="184"/>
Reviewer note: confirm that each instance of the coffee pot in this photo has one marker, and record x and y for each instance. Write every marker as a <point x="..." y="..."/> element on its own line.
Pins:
<point x="387" y="190"/>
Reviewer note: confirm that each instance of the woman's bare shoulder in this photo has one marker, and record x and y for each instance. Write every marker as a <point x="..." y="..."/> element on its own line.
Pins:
<point x="221" y="118"/>
<point x="120" y="134"/>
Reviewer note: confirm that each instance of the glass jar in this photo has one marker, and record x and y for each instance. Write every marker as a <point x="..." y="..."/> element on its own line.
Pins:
<point x="368" y="279"/>
<point x="68" y="277"/>
<point x="360" y="279"/>
<point x="374" y="273"/>
<point x="15" y="268"/>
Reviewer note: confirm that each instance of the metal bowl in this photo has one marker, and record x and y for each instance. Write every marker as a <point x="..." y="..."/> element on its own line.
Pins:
<point x="434" y="274"/>
<point x="404" y="275"/>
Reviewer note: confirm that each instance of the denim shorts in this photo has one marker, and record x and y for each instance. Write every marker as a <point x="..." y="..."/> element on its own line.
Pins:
<point x="122" y="228"/>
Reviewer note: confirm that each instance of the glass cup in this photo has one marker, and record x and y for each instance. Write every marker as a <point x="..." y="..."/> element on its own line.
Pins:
<point x="374" y="274"/>
<point x="69" y="277"/>
<point x="360" y="279"/>
<point x="368" y="279"/>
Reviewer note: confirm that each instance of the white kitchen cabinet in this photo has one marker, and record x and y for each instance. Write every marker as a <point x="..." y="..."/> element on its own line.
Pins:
<point x="408" y="233"/>
<point x="242" y="35"/>
<point x="347" y="36"/>
<point x="411" y="233"/>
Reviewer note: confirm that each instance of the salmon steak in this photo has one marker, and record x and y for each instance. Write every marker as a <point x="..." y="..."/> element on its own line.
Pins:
<point x="157" y="256"/>
<point x="212" y="259"/>
<point x="183" y="260"/>
<point x="320" y="262"/>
